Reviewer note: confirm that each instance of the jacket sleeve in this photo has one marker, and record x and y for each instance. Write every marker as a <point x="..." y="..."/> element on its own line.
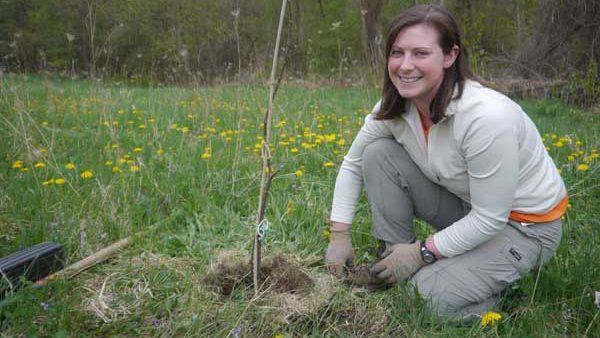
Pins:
<point x="490" y="147"/>
<point x="349" y="179"/>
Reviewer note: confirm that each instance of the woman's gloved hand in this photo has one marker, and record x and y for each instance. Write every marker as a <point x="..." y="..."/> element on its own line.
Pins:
<point x="339" y="252"/>
<point x="399" y="262"/>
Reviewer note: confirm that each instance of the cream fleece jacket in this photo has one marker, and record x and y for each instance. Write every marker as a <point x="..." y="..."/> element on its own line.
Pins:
<point x="486" y="151"/>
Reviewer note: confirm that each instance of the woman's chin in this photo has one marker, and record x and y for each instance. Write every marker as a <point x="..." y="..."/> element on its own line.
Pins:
<point x="407" y="93"/>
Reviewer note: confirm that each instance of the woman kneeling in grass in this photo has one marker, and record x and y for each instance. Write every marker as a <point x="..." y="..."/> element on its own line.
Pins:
<point x="464" y="158"/>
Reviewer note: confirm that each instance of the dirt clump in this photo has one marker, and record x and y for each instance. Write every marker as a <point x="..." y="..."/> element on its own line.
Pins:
<point x="276" y="275"/>
<point x="361" y="276"/>
<point x="290" y="291"/>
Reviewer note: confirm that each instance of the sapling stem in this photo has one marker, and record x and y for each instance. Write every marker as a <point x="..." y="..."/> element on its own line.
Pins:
<point x="267" y="172"/>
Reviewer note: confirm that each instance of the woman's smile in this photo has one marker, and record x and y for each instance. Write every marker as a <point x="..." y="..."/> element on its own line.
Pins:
<point x="410" y="79"/>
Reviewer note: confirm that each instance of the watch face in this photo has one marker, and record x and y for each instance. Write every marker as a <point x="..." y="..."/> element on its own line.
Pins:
<point x="428" y="257"/>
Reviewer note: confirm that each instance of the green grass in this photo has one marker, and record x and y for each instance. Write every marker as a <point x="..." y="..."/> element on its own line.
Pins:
<point x="185" y="209"/>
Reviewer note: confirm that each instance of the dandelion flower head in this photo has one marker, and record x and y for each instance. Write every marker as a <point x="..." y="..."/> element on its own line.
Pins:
<point x="490" y="318"/>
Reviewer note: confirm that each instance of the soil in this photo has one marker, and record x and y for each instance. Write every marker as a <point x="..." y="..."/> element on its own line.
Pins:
<point x="361" y="276"/>
<point x="276" y="275"/>
<point x="295" y="294"/>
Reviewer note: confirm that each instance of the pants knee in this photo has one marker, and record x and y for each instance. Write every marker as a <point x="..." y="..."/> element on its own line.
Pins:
<point x="377" y="152"/>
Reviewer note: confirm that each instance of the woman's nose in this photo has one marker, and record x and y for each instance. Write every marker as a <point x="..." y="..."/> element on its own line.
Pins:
<point x="407" y="63"/>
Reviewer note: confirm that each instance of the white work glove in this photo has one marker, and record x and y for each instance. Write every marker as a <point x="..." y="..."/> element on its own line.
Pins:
<point x="399" y="262"/>
<point x="339" y="252"/>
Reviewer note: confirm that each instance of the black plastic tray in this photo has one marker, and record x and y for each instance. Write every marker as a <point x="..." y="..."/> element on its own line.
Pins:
<point x="32" y="263"/>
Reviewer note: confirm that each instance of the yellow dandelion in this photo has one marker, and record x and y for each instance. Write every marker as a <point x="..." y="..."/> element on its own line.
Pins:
<point x="48" y="182"/>
<point x="59" y="181"/>
<point x="328" y="164"/>
<point x="17" y="165"/>
<point x="160" y="152"/>
<point x="341" y="142"/>
<point x="290" y="206"/>
<point x="137" y="150"/>
<point x="299" y="173"/>
<point x="185" y="130"/>
<point x="490" y="318"/>
<point x="583" y="167"/>
<point x="40" y="165"/>
<point x="70" y="166"/>
<point x="134" y="168"/>
<point x="142" y="126"/>
<point x="122" y="160"/>
<point x="116" y="170"/>
<point x="327" y="235"/>
<point x="279" y="335"/>
<point x="558" y="144"/>
<point x="571" y="158"/>
<point x="205" y="156"/>
<point x="87" y="174"/>
<point x="294" y="150"/>
<point x="108" y="163"/>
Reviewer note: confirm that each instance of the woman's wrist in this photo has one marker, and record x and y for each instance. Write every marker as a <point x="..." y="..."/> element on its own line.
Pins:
<point x="339" y="226"/>
<point x="430" y="245"/>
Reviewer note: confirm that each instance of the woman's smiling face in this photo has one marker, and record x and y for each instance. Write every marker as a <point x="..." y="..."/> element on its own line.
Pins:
<point x="416" y="64"/>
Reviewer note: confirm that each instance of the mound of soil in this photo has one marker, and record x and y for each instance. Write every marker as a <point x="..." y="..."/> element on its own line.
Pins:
<point x="276" y="275"/>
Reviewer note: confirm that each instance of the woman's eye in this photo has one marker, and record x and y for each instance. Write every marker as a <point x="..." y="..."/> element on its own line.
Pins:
<point x="421" y="54"/>
<point x="396" y="53"/>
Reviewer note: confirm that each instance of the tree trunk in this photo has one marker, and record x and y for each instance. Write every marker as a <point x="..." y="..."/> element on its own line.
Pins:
<point x="84" y="44"/>
<point x="370" y="11"/>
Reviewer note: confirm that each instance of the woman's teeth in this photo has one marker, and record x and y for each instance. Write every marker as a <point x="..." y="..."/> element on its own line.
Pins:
<point x="409" y="79"/>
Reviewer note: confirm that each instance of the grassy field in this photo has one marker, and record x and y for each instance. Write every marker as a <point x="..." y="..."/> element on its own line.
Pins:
<point x="87" y="163"/>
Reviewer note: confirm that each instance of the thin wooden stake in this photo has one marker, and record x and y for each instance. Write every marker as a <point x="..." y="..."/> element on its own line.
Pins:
<point x="267" y="172"/>
<point x="88" y="262"/>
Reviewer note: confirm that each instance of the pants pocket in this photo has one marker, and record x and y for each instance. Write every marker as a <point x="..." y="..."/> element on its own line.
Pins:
<point x="523" y="259"/>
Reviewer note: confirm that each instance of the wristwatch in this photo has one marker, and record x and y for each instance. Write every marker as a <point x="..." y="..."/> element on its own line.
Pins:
<point x="427" y="256"/>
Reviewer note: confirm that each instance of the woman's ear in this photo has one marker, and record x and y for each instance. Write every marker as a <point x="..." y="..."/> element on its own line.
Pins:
<point x="451" y="57"/>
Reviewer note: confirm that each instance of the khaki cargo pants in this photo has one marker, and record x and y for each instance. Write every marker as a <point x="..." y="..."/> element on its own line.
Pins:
<point x="466" y="285"/>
